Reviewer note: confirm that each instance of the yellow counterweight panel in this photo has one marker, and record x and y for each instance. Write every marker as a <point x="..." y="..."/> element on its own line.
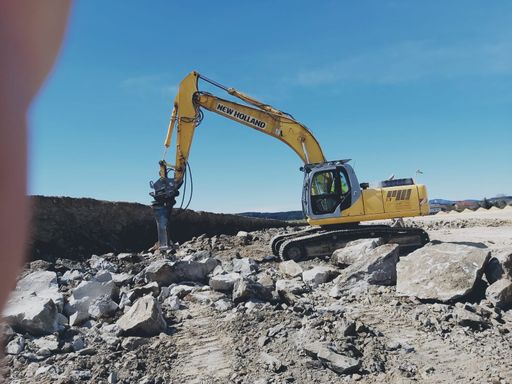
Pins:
<point x="372" y="200"/>
<point x="401" y="199"/>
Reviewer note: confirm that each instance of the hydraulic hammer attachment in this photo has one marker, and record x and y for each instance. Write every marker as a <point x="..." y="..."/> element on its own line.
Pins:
<point x="165" y="193"/>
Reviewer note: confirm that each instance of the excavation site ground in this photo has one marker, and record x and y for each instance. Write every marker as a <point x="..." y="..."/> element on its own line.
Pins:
<point x="98" y="306"/>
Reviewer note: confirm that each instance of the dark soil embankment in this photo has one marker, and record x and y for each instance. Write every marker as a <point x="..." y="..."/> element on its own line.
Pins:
<point x="76" y="228"/>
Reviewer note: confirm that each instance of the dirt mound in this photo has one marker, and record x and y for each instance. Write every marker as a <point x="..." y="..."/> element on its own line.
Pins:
<point x="76" y="228"/>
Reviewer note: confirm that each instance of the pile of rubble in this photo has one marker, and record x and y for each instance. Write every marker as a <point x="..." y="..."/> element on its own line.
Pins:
<point x="222" y="309"/>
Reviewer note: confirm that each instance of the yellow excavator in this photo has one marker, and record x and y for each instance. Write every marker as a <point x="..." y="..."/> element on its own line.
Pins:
<point x="333" y="201"/>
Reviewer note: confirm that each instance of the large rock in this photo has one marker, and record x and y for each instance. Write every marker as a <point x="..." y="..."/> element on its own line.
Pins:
<point x="34" y="304"/>
<point x="443" y="271"/>
<point x="93" y="289"/>
<point x="160" y="271"/>
<point x="377" y="267"/>
<point x="144" y="318"/>
<point x="15" y="346"/>
<point x="245" y="266"/>
<point x="354" y="251"/>
<point x="33" y="314"/>
<point x="42" y="284"/>
<point x="500" y="293"/>
<point x="293" y="286"/>
<point x="100" y="264"/>
<point x="81" y="303"/>
<point x="101" y="307"/>
<point x="290" y="268"/>
<point x="468" y="319"/>
<point x="499" y="266"/>
<point x="224" y="283"/>
<point x="166" y="273"/>
<point x="288" y="289"/>
<point x="334" y="361"/>
<point x="247" y="289"/>
<point x="319" y="275"/>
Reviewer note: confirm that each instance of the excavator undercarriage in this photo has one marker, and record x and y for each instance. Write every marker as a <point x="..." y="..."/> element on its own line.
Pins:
<point x="323" y="241"/>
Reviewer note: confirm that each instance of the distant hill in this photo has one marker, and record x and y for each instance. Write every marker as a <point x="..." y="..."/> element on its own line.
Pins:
<point x="441" y="202"/>
<point x="506" y="199"/>
<point x="289" y="215"/>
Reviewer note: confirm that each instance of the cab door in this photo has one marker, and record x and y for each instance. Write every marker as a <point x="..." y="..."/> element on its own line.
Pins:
<point x="325" y="192"/>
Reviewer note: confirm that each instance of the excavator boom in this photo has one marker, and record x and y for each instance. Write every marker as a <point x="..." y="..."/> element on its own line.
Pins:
<point x="186" y="115"/>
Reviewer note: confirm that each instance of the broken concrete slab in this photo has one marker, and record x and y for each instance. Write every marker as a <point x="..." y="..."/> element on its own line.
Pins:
<point x="354" y="251"/>
<point x="33" y="314"/>
<point x="272" y="362"/>
<point x="377" y="267"/>
<point x="15" y="346"/>
<point x="336" y="362"/>
<point x="50" y="342"/>
<point x="99" y="263"/>
<point x="500" y="293"/>
<point x="287" y="290"/>
<point x="131" y="343"/>
<point x="224" y="283"/>
<point x="101" y="307"/>
<point x="122" y="278"/>
<point x="468" y="319"/>
<point x="173" y="303"/>
<point x="248" y="289"/>
<point x="265" y="279"/>
<point x="166" y="273"/>
<point x="222" y="305"/>
<point x="148" y="289"/>
<point x="443" y="271"/>
<point x="40" y="283"/>
<point x="245" y="266"/>
<point x="144" y="318"/>
<point x="294" y="286"/>
<point x="159" y="271"/>
<point x="78" y="310"/>
<point x="93" y="289"/>
<point x="340" y="364"/>
<point x="290" y="268"/>
<point x="73" y="275"/>
<point x="181" y="290"/>
<point x="86" y="293"/>
<point x="319" y="275"/>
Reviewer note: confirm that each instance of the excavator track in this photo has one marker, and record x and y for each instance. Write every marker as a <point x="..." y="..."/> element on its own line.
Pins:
<point x="278" y="240"/>
<point x="322" y="243"/>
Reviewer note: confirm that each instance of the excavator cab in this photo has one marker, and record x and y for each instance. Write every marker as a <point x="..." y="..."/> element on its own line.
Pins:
<point x="329" y="188"/>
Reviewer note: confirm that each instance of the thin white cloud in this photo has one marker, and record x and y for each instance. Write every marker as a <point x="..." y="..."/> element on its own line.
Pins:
<point x="150" y="84"/>
<point x="412" y="61"/>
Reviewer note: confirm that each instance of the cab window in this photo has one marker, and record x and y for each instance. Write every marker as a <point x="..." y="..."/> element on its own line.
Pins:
<point x="329" y="189"/>
<point x="324" y="192"/>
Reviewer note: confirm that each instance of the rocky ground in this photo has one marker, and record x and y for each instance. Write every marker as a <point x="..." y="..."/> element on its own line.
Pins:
<point x="223" y="310"/>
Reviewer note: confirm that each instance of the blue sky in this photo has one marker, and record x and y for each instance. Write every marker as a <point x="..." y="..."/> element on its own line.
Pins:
<point x="394" y="85"/>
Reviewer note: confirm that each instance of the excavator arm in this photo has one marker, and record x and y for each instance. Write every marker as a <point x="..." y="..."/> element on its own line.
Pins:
<point x="187" y="115"/>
